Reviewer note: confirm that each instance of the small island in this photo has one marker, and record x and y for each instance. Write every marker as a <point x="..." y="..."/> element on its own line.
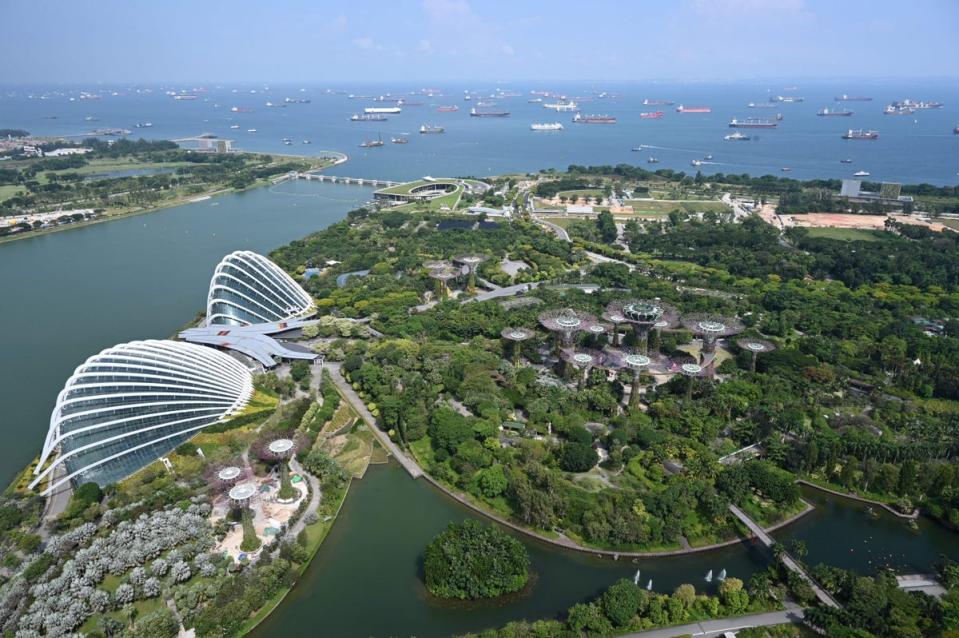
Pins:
<point x="470" y="561"/>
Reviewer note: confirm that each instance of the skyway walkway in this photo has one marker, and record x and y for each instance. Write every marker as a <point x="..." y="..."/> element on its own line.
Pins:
<point x="787" y="560"/>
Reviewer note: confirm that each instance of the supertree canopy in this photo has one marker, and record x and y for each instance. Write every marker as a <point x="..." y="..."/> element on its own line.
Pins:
<point x="583" y="359"/>
<point x="755" y="347"/>
<point x="517" y="336"/>
<point x="471" y="262"/>
<point x="567" y="322"/>
<point x="711" y="328"/>
<point x="638" y="363"/>
<point x="693" y="370"/>
<point x="442" y="275"/>
<point x="643" y="314"/>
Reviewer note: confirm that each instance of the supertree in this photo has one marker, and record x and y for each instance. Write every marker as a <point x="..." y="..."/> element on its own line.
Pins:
<point x="517" y="336"/>
<point x="643" y="314"/>
<point x="442" y="275"/>
<point x="615" y="317"/>
<point x="566" y="322"/>
<point x="754" y="347"/>
<point x="638" y="363"/>
<point x="434" y="264"/>
<point x="711" y="328"/>
<point x="582" y="359"/>
<point x="222" y="476"/>
<point x="693" y="371"/>
<point x="597" y="334"/>
<point x="471" y="262"/>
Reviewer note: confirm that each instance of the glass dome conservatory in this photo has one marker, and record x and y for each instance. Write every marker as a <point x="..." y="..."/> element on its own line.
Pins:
<point x="248" y="288"/>
<point x="130" y="404"/>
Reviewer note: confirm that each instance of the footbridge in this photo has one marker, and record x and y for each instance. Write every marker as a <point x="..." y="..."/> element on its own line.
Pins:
<point x="787" y="560"/>
<point x="334" y="179"/>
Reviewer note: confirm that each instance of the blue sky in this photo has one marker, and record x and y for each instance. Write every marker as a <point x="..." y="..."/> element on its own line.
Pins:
<point x="419" y="40"/>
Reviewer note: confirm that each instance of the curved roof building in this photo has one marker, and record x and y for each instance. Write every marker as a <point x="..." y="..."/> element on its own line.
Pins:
<point x="248" y="288"/>
<point x="130" y="404"/>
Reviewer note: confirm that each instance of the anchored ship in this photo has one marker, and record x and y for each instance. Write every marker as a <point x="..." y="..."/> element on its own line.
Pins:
<point x="561" y="106"/>
<point x="898" y="109"/>
<point x="429" y="128"/>
<point x="382" y="110"/>
<point x="752" y="122"/>
<point x="834" y="112"/>
<point x="649" y="102"/>
<point x="478" y="113"/>
<point x="693" y="109"/>
<point x="736" y="137"/>
<point x="367" y="117"/>
<point x="594" y="119"/>
<point x="919" y="106"/>
<point x="860" y="134"/>
<point x="448" y="109"/>
<point x="761" y="105"/>
<point x="373" y="143"/>
<point x="546" y="126"/>
<point x="655" y="115"/>
<point x="787" y="99"/>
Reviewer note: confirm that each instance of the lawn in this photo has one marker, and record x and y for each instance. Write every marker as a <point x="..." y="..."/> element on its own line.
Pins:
<point x="8" y="191"/>
<point x="950" y="222"/>
<point x="591" y="193"/>
<point x="843" y="234"/>
<point x="662" y="207"/>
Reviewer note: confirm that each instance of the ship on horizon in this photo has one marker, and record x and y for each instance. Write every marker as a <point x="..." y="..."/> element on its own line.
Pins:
<point x="427" y="129"/>
<point x="860" y="134"/>
<point x="579" y="118"/>
<point x="693" y="109"/>
<point x="655" y="115"/>
<point x="367" y="117"/>
<point x="787" y="99"/>
<point x="478" y="113"/>
<point x="649" y="102"/>
<point x="451" y="108"/>
<point x="382" y="110"/>
<point x="737" y="137"/>
<point x="752" y="122"/>
<point x="546" y="126"/>
<point x="562" y="105"/>
<point x="827" y="112"/>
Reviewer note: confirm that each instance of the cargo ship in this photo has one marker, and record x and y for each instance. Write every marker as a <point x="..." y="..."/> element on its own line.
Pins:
<point x="737" y="137"/>
<point x="579" y="118"/>
<point x="447" y="109"/>
<point x="834" y="112"/>
<point x="787" y="99"/>
<point x="898" y="109"/>
<point x="649" y="102"/>
<point x="546" y="126"/>
<point x="427" y="129"/>
<point x="399" y="140"/>
<point x="175" y="97"/>
<point x="241" y="109"/>
<point x="561" y="106"/>
<point x="693" y="109"/>
<point x="373" y="143"/>
<point x="752" y="122"/>
<point x="367" y="117"/>
<point x="761" y="105"/>
<point x="860" y="134"/>
<point x="918" y="106"/>
<point x="382" y="110"/>
<point x="478" y="113"/>
<point x="852" y="98"/>
<point x="655" y="115"/>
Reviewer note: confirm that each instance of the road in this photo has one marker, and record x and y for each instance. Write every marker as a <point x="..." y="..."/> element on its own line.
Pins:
<point x="559" y="230"/>
<point x="712" y="628"/>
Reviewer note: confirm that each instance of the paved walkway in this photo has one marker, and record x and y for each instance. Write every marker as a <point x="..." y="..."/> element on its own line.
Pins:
<point x="314" y="503"/>
<point x="787" y="560"/>
<point x="347" y="391"/>
<point x="711" y="628"/>
<point x="508" y="291"/>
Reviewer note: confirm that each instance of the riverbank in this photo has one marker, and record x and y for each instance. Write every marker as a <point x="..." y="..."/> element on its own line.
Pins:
<point x="852" y="497"/>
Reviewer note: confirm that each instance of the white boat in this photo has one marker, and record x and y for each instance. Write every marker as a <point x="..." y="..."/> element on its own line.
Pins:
<point x="251" y="130"/>
<point x="561" y="106"/>
<point x="235" y="126"/>
<point x="861" y="174"/>
<point x="546" y="126"/>
<point x="696" y="163"/>
<point x="372" y="110"/>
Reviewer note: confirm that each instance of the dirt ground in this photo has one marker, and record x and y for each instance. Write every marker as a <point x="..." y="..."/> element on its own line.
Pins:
<point x="840" y="220"/>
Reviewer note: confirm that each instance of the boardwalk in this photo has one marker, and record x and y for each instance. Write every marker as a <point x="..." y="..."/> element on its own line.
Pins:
<point x="711" y="628"/>
<point x="787" y="560"/>
<point x="347" y="391"/>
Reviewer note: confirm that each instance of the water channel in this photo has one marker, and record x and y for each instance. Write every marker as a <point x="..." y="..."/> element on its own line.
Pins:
<point x="69" y="294"/>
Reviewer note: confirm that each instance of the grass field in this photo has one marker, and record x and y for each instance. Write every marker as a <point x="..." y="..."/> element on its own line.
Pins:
<point x="591" y="193"/>
<point x="9" y="190"/>
<point x="662" y="207"/>
<point x="844" y="234"/>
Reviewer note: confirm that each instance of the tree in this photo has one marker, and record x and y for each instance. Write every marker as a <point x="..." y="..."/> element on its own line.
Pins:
<point x="492" y="481"/>
<point x="159" y="623"/>
<point x="577" y="457"/>
<point x="470" y="561"/>
<point x="733" y="596"/>
<point x="606" y="226"/>
<point x="620" y="602"/>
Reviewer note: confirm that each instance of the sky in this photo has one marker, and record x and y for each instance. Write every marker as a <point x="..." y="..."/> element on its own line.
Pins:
<point x="110" y="41"/>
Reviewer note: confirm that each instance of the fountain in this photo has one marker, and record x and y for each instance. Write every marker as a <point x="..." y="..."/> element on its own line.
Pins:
<point x="636" y="578"/>
<point x="709" y="576"/>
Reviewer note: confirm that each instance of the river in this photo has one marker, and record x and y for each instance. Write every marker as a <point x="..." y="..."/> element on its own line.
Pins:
<point x="69" y="294"/>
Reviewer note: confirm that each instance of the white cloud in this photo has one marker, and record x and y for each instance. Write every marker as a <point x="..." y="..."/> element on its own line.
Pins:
<point x="339" y="23"/>
<point x="365" y="42"/>
<point x="424" y="46"/>
<point x="507" y="49"/>
<point x="443" y="10"/>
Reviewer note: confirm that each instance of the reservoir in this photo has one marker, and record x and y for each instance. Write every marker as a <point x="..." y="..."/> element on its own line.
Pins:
<point x="69" y="294"/>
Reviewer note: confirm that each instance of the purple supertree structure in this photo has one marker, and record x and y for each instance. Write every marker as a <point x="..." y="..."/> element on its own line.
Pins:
<point x="712" y="327"/>
<point x="442" y="275"/>
<point x="693" y="370"/>
<point x="471" y="262"/>
<point x="754" y="347"/>
<point x="615" y="317"/>
<point x="566" y="322"/>
<point x="643" y="314"/>
<point x="517" y="336"/>
<point x="638" y="363"/>
<point x="583" y="359"/>
<point x="223" y="476"/>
